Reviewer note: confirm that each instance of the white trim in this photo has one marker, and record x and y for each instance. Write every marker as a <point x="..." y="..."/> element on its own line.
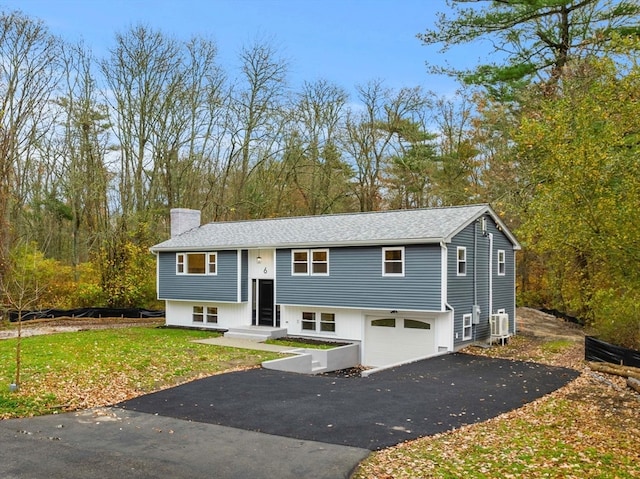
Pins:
<point x="158" y="277"/>
<point x="444" y="274"/>
<point x="180" y="261"/>
<point x="317" y="322"/>
<point x="490" y="273"/>
<point x="311" y="261"/>
<point x="239" y="275"/>
<point x="207" y="263"/>
<point x="503" y="262"/>
<point x="293" y="262"/>
<point x="402" y="261"/>
<point x="469" y="317"/>
<point x="458" y="261"/>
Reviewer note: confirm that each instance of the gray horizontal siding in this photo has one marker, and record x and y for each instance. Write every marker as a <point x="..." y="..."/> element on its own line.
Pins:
<point x="460" y="289"/>
<point x="244" y="281"/>
<point x="504" y="286"/>
<point x="220" y="287"/>
<point x="356" y="280"/>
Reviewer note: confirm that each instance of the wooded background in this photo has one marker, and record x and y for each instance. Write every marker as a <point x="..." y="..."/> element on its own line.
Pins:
<point x="95" y="151"/>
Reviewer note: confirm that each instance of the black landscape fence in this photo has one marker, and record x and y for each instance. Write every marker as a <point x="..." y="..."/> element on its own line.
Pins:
<point x="86" y="313"/>
<point x="565" y="316"/>
<point x="597" y="350"/>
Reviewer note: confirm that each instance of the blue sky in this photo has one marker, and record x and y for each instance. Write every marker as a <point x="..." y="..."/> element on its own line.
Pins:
<point x="347" y="42"/>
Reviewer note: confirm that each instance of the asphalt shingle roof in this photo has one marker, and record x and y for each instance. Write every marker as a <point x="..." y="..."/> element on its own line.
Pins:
<point x="385" y="227"/>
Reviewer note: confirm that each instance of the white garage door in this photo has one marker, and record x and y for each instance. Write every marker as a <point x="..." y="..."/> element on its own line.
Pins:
<point x="394" y="340"/>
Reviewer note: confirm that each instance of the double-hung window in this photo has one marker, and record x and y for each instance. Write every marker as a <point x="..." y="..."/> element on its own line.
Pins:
<point x="393" y="261"/>
<point x="467" y="326"/>
<point x="317" y="321"/>
<point x="306" y="262"/>
<point x="319" y="261"/>
<point x="462" y="260"/>
<point x="196" y="263"/>
<point x="203" y="314"/>
<point x="502" y="263"/>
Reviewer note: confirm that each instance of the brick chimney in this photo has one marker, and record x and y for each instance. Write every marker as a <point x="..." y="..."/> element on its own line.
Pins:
<point x="183" y="219"/>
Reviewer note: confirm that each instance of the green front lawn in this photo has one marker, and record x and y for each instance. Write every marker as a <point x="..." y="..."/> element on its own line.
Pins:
<point x="67" y="371"/>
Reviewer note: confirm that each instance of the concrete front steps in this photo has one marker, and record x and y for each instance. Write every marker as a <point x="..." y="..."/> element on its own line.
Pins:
<point x="255" y="333"/>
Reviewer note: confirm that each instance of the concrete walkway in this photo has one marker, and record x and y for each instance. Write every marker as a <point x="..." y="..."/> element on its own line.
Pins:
<point x="245" y="344"/>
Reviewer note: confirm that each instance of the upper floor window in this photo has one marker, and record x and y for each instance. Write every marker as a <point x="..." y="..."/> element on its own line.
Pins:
<point x="314" y="262"/>
<point x="320" y="261"/>
<point x="196" y="263"/>
<point x="393" y="261"/>
<point x="502" y="263"/>
<point x="462" y="261"/>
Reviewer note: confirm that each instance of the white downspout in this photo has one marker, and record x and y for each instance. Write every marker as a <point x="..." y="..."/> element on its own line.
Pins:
<point x="444" y="291"/>
<point x="490" y="274"/>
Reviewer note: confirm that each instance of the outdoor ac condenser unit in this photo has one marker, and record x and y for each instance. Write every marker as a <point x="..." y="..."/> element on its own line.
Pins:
<point x="499" y="325"/>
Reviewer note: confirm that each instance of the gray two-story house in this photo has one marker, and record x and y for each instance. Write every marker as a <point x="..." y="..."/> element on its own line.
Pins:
<point x="405" y="284"/>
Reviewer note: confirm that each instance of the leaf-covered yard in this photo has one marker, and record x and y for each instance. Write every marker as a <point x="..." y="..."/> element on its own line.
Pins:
<point x="588" y="429"/>
<point x="77" y="370"/>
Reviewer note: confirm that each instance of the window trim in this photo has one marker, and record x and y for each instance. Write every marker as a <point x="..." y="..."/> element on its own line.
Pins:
<point x="309" y="262"/>
<point x="205" y="313"/>
<point x="294" y="262"/>
<point x="502" y="262"/>
<point x="384" y="261"/>
<point x="304" y="321"/>
<point x="318" y="322"/>
<point x="208" y="313"/>
<point x="210" y="259"/>
<point x="324" y="322"/>
<point x="199" y="314"/>
<point x="460" y="262"/>
<point x="467" y="324"/>
<point x="213" y="263"/>
<point x="314" y="262"/>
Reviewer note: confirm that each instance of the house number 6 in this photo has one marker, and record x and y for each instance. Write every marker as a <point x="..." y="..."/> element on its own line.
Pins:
<point x="265" y="271"/>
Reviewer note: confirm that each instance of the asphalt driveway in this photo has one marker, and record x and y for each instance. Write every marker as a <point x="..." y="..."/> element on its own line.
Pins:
<point x="264" y="424"/>
<point x="386" y="408"/>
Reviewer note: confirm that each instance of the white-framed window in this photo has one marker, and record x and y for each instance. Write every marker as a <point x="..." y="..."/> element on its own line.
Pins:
<point x="467" y="327"/>
<point x="393" y="261"/>
<point x="308" y="321"/>
<point x="202" y="314"/>
<point x="196" y="263"/>
<point x="320" y="261"/>
<point x="318" y="321"/>
<point x="212" y="314"/>
<point x="306" y="262"/>
<point x="300" y="261"/>
<point x="502" y="263"/>
<point x="462" y="260"/>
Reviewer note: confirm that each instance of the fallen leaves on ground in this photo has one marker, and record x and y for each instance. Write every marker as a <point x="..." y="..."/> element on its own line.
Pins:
<point x="587" y="429"/>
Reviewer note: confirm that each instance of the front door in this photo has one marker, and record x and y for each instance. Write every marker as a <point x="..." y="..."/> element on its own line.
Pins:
<point x="265" y="302"/>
